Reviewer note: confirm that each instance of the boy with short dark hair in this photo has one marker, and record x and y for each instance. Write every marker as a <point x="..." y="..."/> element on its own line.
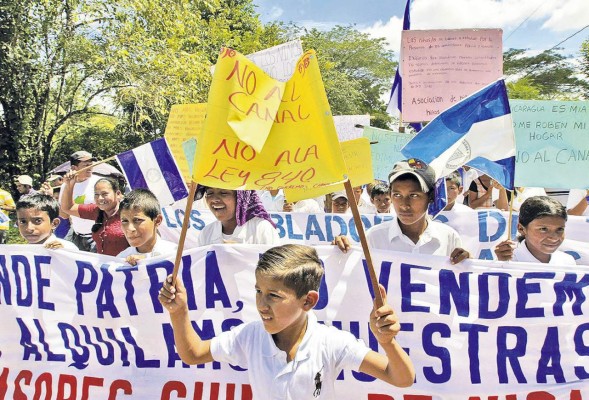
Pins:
<point x="37" y="216"/>
<point x="140" y="217"/>
<point x="453" y="189"/>
<point x="287" y="284"/>
<point x="412" y="185"/>
<point x="380" y="197"/>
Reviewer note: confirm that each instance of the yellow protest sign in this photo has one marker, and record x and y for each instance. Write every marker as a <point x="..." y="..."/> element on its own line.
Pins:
<point x="184" y="123"/>
<point x="359" y="165"/>
<point x="264" y="134"/>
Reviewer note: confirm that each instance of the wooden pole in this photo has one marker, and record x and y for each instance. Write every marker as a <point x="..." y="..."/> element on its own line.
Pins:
<point x="95" y="164"/>
<point x="185" y="223"/>
<point x="360" y="228"/>
<point x="509" y="220"/>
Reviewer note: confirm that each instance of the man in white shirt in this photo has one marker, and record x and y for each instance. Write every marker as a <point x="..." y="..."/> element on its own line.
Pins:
<point x="81" y="233"/>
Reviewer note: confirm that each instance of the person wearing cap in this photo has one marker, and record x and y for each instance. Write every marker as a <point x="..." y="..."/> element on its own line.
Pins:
<point x="83" y="193"/>
<point x="412" y="188"/>
<point x="24" y="185"/>
<point x="339" y="203"/>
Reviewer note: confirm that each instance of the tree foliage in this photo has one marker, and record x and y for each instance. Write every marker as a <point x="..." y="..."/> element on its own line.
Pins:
<point x="356" y="70"/>
<point x="66" y="62"/>
<point x="548" y="75"/>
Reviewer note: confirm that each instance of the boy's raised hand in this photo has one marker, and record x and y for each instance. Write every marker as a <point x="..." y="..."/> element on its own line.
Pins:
<point x="384" y="323"/>
<point x="173" y="297"/>
<point x="54" y="245"/>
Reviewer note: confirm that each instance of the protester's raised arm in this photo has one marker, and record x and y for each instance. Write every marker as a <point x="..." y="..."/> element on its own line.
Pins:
<point x="67" y="204"/>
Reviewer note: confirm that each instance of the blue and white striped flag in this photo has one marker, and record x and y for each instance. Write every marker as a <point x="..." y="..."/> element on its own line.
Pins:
<point x="152" y="166"/>
<point x="395" y="106"/>
<point x="477" y="131"/>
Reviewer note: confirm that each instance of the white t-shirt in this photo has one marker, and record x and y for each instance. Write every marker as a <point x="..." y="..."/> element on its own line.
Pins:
<point x="437" y="239"/>
<point x="161" y="247"/>
<point x="309" y="206"/>
<point x="322" y="354"/>
<point x="254" y="231"/>
<point x="83" y="194"/>
<point x="575" y="197"/>
<point x="522" y="254"/>
<point x="526" y="193"/>
<point x="66" y="243"/>
<point x="272" y="204"/>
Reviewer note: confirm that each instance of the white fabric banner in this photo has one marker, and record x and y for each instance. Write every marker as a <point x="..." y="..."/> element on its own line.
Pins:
<point x="480" y="230"/>
<point x="83" y="326"/>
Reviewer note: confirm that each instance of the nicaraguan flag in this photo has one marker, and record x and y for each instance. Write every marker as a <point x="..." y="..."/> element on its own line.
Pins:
<point x="152" y="166"/>
<point x="477" y="131"/>
<point x="395" y="106"/>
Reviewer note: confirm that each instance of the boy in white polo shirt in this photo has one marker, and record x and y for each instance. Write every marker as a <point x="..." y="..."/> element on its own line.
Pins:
<point x="412" y="190"/>
<point x="288" y="353"/>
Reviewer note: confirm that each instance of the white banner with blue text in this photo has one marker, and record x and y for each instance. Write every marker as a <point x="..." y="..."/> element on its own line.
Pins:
<point x="82" y="326"/>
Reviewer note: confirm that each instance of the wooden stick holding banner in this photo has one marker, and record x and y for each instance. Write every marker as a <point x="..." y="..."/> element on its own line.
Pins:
<point x="185" y="223"/>
<point x="94" y="164"/>
<point x="509" y="220"/>
<point x="378" y="300"/>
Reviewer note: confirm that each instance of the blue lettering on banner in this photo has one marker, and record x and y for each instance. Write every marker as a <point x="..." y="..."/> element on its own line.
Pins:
<point x="524" y="289"/>
<point x="127" y="270"/>
<point x="214" y="286"/>
<point x="178" y="218"/>
<point x="20" y="274"/>
<point x="291" y="233"/>
<point x="104" y="359"/>
<point x="460" y="293"/>
<point x="314" y="229"/>
<point x="155" y="283"/>
<point x="42" y="282"/>
<point x="4" y="281"/>
<point x="30" y="349"/>
<point x="343" y="227"/>
<point x="188" y="283"/>
<point x="80" y="354"/>
<point x="105" y="301"/>
<point x="549" y="363"/>
<point x="279" y="222"/>
<point x="435" y="351"/>
<point x="581" y="349"/>
<point x="473" y="331"/>
<point x="501" y="293"/>
<point x="82" y="287"/>
<point x="407" y="288"/>
<point x="484" y="235"/>
<point x="140" y="360"/>
<point x="173" y="355"/>
<point x="512" y="355"/>
<point x="570" y="288"/>
<point x="383" y="277"/>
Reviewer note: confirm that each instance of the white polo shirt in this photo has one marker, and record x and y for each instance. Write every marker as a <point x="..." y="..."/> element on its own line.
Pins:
<point x="322" y="354"/>
<point x="522" y="254"/>
<point x="255" y="231"/>
<point x="160" y="248"/>
<point x="437" y="239"/>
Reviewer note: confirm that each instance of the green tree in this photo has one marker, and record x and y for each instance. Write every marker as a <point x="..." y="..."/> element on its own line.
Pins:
<point x="65" y="62"/>
<point x="356" y="70"/>
<point x="548" y="75"/>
